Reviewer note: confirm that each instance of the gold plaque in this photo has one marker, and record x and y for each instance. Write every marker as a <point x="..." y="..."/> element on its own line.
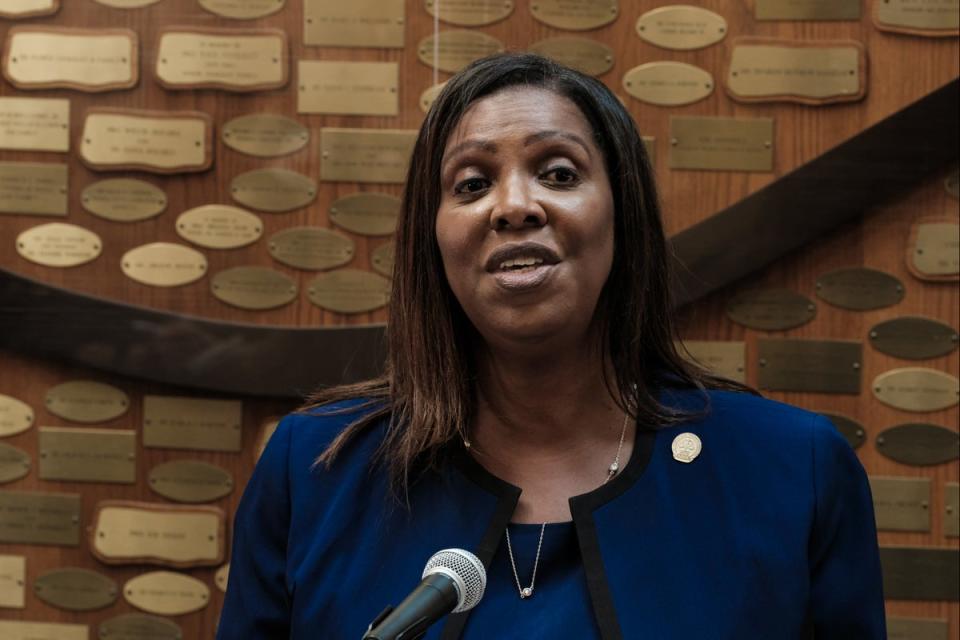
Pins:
<point x="349" y="291"/>
<point x="190" y="481"/>
<point x="933" y="251"/>
<point x="219" y="226"/>
<point x="33" y="188"/>
<point x="453" y="50"/>
<point x="311" y="248"/>
<point x="668" y="83"/>
<point x="139" y="626"/>
<point x="13" y="580"/>
<point x="228" y="59"/>
<point x="14" y="463"/>
<point x="681" y="27"/>
<point x="221" y="577"/>
<point x="76" y="589"/>
<point x="859" y="289"/>
<point x="243" y="9"/>
<point x="917" y="389"/>
<point x="650" y="146"/>
<point x="267" y="430"/>
<point x="807" y="9"/>
<point x="166" y="593"/>
<point x="29" y="517"/>
<point x="127" y="4"/>
<point x="200" y="424"/>
<point x="358" y="23"/>
<point x="86" y="401"/>
<point x="469" y="13"/>
<point x="18" y="630"/>
<point x="917" y="629"/>
<point x="914" y="338"/>
<point x="951" y="510"/>
<point x="274" y="190"/>
<point x="265" y="135"/>
<point x="771" y="309"/>
<point x="575" y="15"/>
<point x="14" y="9"/>
<point x="723" y="358"/>
<point x="155" y="141"/>
<point x="381" y="259"/>
<point x="254" y="288"/>
<point x="15" y="416"/>
<point x="919" y="444"/>
<point x="352" y="88"/>
<point x="429" y="95"/>
<point x="583" y="54"/>
<point x="726" y="144"/>
<point x="163" y="264"/>
<point x="61" y="58"/>
<point x="35" y="124"/>
<point x="818" y="72"/>
<point x="367" y="214"/>
<point x="88" y="455"/>
<point x="918" y="17"/>
<point x="124" y="199"/>
<point x="817" y="366"/>
<point x="57" y="244"/>
<point x="901" y="504"/>
<point x="920" y="573"/>
<point x="365" y="155"/>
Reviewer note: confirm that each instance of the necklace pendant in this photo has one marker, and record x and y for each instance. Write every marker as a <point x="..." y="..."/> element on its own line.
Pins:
<point x="526" y="592"/>
<point x="614" y="467"/>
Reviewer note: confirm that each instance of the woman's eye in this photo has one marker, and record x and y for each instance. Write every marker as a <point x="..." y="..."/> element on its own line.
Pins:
<point x="562" y="175"/>
<point x="470" y="185"/>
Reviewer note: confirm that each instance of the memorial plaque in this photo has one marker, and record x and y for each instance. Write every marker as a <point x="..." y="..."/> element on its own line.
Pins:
<point x="807" y="9"/>
<point x="575" y="15"/>
<point x="166" y="593"/>
<point x="19" y="630"/>
<point x="200" y="424"/>
<point x="583" y="54"/>
<point x="57" y="244"/>
<point x="255" y="288"/>
<point x="273" y="190"/>
<point x="920" y="573"/>
<point x="367" y="214"/>
<point x="221" y="577"/>
<point x="365" y="155"/>
<point x="917" y="389"/>
<point x="14" y="463"/>
<point x="154" y="141"/>
<point x="451" y="51"/>
<point x="723" y="358"/>
<point x="351" y="88"/>
<point x="901" y="504"/>
<point x="381" y="259"/>
<point x="681" y="27"/>
<point x="33" y="188"/>
<point x="852" y="430"/>
<point x="668" y="83"/>
<point x="914" y="338"/>
<point x="88" y="455"/>
<point x="124" y="199"/>
<point x="267" y="430"/>
<point x="29" y="517"/>
<point x="164" y="264"/>
<point x="818" y="366"/>
<point x="918" y="17"/>
<point x="952" y="183"/>
<point x="951" y="516"/>
<point x="13" y="580"/>
<point x="35" y="124"/>
<point x="190" y="481"/>
<point x="90" y="60"/>
<point x="139" y="626"/>
<point x="76" y="589"/>
<point x="243" y="9"/>
<point x="219" y="226"/>
<point x="771" y="309"/>
<point x="15" y="9"/>
<point x="429" y="95"/>
<point x="311" y="248"/>
<point x="934" y="250"/>
<point x="917" y="629"/>
<point x="15" y="416"/>
<point x="859" y="289"/>
<point x="469" y="13"/>
<point x="265" y="135"/>
<point x="126" y="532"/>
<point x="228" y="59"/>
<point x="86" y="401"/>
<point x="127" y="4"/>
<point x="726" y="144"/>
<point x="349" y="291"/>
<point x="358" y="23"/>
<point x="919" y="445"/>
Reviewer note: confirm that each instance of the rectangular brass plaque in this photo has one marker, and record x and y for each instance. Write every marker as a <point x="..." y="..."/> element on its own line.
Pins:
<point x="25" y="8"/>
<point x="19" y="630"/>
<point x="35" y="124"/>
<point x="901" y="504"/>
<point x="88" y="455"/>
<point x="807" y="9"/>
<point x="724" y="358"/>
<point x="13" y="580"/>
<point x="917" y="629"/>
<point x="357" y="23"/>
<point x="358" y="88"/>
<point x="29" y="517"/>
<point x="365" y="155"/>
<point x="951" y="510"/>
<point x="192" y="423"/>
<point x="33" y="188"/>
<point x="824" y="366"/>
<point x="920" y="573"/>
<point x="727" y="144"/>
<point x="928" y="17"/>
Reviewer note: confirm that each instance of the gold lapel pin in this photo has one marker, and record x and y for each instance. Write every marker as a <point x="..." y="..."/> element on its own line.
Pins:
<point x="686" y="447"/>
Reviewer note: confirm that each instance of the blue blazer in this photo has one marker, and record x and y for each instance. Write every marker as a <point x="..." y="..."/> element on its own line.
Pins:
<point x="768" y="534"/>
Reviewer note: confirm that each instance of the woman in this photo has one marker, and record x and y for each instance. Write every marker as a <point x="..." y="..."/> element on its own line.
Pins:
<point x="535" y="411"/>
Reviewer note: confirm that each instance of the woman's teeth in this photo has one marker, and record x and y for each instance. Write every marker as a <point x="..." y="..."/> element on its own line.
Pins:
<point x="520" y="263"/>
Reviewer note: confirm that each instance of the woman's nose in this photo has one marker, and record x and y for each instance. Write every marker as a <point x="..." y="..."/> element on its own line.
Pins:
<point x="515" y="206"/>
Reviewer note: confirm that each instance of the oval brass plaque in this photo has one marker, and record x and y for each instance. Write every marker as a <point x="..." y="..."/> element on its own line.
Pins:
<point x="349" y="291"/>
<point x="274" y="190"/>
<point x="429" y="95"/>
<point x="139" y="626"/>
<point x="15" y="416"/>
<point x="221" y="577"/>
<point x="381" y="259"/>
<point x="76" y="589"/>
<point x="86" y="401"/>
<point x="164" y="264"/>
<point x="124" y="199"/>
<point x="852" y="430"/>
<point x="575" y="15"/>
<point x="914" y="338"/>
<point x="952" y="183"/>
<point x="243" y="9"/>
<point x="919" y="444"/>
<point x="456" y="49"/>
<point x="859" y="289"/>
<point x="681" y="27"/>
<point x="190" y="481"/>
<point x="265" y="135"/>
<point x="668" y="83"/>
<point x="58" y="244"/>
<point x="935" y="251"/>
<point x="368" y="214"/>
<point x="311" y="248"/>
<point x="14" y="463"/>
<point x="470" y="13"/>
<point x="219" y="226"/>
<point x="771" y="309"/>
<point x="254" y="287"/>
<point x="917" y="389"/>
<point x="28" y="8"/>
<point x="166" y="593"/>
<point x="583" y="54"/>
<point x="127" y="4"/>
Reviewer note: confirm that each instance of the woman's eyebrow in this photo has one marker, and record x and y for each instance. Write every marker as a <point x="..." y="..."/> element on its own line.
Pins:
<point x="553" y="133"/>
<point x="483" y="145"/>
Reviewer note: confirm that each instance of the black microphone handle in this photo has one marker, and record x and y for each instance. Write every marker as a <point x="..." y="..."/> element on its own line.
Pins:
<point x="435" y="597"/>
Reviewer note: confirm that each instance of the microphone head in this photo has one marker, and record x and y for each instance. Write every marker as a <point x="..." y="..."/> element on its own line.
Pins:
<point x="466" y="571"/>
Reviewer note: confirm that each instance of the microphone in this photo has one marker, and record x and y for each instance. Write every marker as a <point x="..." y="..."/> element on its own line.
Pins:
<point x="453" y="581"/>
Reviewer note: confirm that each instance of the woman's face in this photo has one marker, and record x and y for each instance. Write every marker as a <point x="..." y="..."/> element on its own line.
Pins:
<point x="525" y="224"/>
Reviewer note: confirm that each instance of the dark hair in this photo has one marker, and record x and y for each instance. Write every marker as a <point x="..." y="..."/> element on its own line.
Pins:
<point x="427" y="388"/>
